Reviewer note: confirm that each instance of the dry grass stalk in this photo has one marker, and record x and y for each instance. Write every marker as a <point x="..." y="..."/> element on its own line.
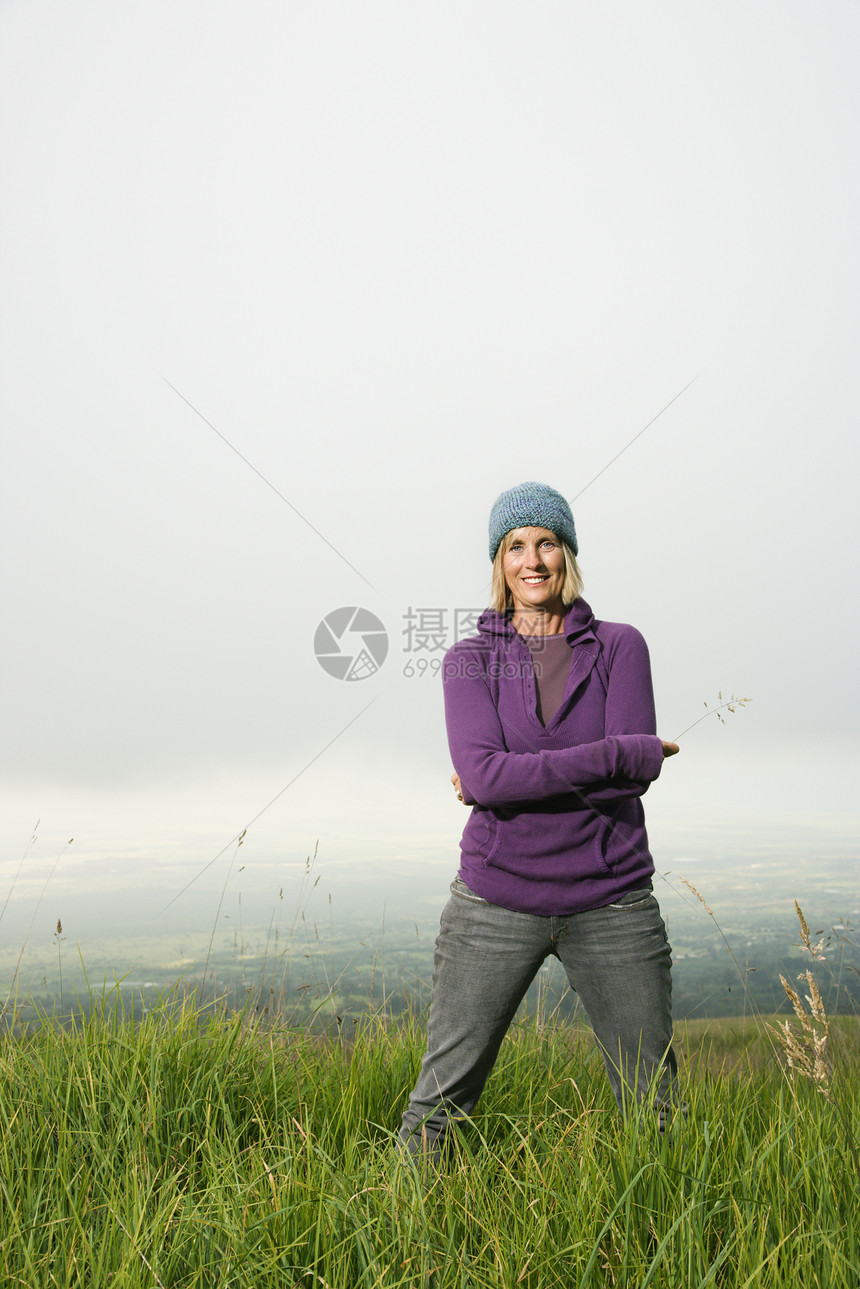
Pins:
<point x="699" y="896"/>
<point x="817" y="950"/>
<point x="805" y="1047"/>
<point x="724" y="704"/>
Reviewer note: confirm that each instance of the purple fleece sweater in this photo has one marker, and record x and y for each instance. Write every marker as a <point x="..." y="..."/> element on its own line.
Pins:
<point x="557" y="825"/>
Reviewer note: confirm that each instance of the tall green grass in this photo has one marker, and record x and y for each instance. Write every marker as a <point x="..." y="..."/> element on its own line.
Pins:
<point x="176" y="1150"/>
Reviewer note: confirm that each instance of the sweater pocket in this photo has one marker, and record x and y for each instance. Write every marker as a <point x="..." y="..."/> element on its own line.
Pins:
<point x="481" y="835"/>
<point x="621" y="837"/>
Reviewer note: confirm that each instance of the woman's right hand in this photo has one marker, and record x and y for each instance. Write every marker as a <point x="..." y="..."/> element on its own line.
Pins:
<point x="669" y="749"/>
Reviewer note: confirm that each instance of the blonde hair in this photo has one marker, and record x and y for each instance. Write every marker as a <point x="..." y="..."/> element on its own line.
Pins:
<point x="500" y="596"/>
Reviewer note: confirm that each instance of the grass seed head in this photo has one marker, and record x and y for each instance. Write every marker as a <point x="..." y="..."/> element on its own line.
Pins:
<point x="699" y="896"/>
<point x="805" y="1048"/>
<point x="816" y="950"/>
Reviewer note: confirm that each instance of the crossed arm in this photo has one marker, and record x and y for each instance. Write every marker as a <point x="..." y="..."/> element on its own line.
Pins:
<point x="621" y="764"/>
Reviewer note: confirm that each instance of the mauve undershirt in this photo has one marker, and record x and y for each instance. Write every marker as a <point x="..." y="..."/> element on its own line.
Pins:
<point x="551" y="656"/>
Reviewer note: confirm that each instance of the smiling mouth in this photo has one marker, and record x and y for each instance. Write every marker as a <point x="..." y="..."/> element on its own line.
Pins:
<point x="536" y="581"/>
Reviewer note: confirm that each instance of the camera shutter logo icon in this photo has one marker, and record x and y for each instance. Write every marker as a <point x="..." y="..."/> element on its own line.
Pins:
<point x="351" y="643"/>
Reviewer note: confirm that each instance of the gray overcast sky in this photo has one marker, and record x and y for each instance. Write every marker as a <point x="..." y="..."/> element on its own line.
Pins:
<point x="403" y="256"/>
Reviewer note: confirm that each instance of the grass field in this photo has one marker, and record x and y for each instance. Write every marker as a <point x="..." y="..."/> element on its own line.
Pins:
<point x="187" y="1151"/>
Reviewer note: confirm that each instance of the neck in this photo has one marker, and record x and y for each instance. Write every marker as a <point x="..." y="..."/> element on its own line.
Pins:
<point x="539" y="622"/>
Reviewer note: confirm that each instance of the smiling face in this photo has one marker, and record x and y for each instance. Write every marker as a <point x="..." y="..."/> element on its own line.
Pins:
<point x="534" y="568"/>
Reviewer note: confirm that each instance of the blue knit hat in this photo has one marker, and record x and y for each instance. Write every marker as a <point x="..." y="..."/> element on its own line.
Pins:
<point x="531" y="505"/>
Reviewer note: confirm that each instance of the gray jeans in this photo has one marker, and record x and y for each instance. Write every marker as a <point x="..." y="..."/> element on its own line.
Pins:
<point x="618" y="960"/>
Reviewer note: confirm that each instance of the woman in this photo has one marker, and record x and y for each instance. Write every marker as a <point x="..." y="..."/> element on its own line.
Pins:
<point x="551" y="726"/>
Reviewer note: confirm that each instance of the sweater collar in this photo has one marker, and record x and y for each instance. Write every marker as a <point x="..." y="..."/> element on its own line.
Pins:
<point x="578" y="623"/>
